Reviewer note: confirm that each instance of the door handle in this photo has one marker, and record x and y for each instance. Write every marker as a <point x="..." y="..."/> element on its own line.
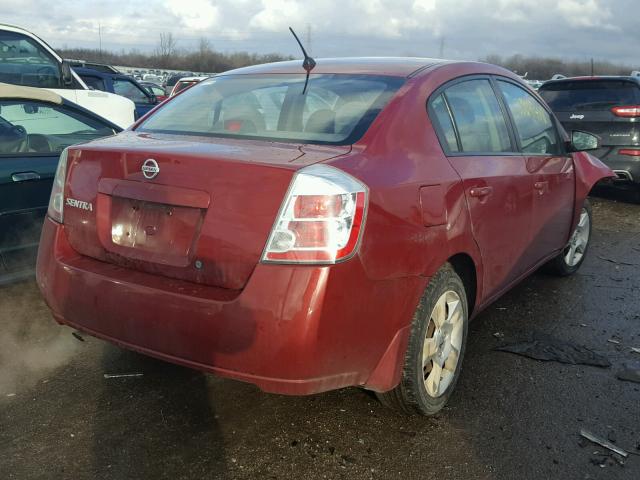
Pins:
<point x="541" y="186"/>
<point x="25" y="176"/>
<point x="480" y="191"/>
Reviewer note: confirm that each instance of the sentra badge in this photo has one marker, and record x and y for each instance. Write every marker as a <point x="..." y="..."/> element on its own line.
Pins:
<point x="72" y="202"/>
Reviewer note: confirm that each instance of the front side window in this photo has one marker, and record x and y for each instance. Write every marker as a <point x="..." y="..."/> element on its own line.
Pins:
<point x="481" y="125"/>
<point x="30" y="127"/>
<point x="25" y="62"/>
<point x="129" y="90"/>
<point x="334" y="109"/>
<point x="533" y="123"/>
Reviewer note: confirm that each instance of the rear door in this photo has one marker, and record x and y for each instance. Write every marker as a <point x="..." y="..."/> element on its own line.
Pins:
<point x="32" y="135"/>
<point x="551" y="170"/>
<point x="474" y="132"/>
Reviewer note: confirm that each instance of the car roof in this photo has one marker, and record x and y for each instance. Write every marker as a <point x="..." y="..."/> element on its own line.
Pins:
<point x="192" y="79"/>
<point x="98" y="73"/>
<point x="626" y="78"/>
<point x="393" y="66"/>
<point x="29" y="93"/>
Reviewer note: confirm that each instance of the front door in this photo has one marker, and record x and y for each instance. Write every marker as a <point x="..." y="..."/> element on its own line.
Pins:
<point x="551" y="170"/>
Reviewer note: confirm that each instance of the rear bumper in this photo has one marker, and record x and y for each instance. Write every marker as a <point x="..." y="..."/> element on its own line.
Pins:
<point x="291" y="330"/>
<point x="626" y="167"/>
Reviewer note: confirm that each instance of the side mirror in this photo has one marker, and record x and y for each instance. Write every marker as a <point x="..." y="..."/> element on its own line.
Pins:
<point x="67" y="76"/>
<point x="582" y="141"/>
<point x="153" y="100"/>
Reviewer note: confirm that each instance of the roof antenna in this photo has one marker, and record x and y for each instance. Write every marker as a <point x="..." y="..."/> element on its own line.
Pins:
<point x="308" y="64"/>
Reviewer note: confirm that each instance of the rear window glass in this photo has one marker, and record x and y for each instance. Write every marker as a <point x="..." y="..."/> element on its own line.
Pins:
<point x="334" y="109"/>
<point x="589" y="94"/>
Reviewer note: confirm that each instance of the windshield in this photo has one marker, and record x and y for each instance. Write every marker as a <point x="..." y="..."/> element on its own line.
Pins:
<point x="589" y="94"/>
<point x="335" y="109"/>
<point x="32" y="127"/>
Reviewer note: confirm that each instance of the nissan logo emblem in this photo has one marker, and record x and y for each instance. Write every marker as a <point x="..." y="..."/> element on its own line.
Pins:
<point x="150" y="169"/>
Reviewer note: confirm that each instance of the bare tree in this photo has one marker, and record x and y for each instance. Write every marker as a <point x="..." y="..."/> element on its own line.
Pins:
<point x="166" y="49"/>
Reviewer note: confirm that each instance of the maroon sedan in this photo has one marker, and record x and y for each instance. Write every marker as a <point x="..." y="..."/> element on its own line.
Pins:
<point x="307" y="234"/>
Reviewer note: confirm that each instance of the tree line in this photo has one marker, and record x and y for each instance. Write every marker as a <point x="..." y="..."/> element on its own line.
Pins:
<point x="543" y="68"/>
<point x="168" y="56"/>
<point x="204" y="58"/>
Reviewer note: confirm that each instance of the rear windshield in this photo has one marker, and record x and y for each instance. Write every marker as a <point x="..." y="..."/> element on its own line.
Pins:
<point x="334" y="109"/>
<point x="589" y="94"/>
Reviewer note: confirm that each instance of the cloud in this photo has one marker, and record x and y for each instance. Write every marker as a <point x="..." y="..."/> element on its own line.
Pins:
<point x="468" y="29"/>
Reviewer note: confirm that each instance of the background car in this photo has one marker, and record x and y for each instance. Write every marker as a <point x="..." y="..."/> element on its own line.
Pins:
<point x="172" y="79"/>
<point x="119" y="84"/>
<point x="184" y="83"/>
<point x="155" y="89"/>
<point x="608" y="107"/>
<point x="27" y="60"/>
<point x="308" y="232"/>
<point x="35" y="126"/>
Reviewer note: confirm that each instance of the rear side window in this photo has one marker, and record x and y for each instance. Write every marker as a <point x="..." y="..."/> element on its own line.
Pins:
<point x="481" y="125"/>
<point x="533" y="123"/>
<point x="569" y="96"/>
<point x="447" y="132"/>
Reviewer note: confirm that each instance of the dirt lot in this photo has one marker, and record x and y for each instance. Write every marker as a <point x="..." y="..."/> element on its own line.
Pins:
<point x="511" y="417"/>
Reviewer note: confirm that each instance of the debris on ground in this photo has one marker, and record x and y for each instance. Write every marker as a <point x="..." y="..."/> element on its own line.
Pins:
<point x="550" y="349"/>
<point x="77" y="336"/>
<point x="603" y="443"/>
<point x="614" y="341"/>
<point x="499" y="335"/>
<point x="635" y="349"/>
<point x="122" y="375"/>
<point x="630" y="372"/>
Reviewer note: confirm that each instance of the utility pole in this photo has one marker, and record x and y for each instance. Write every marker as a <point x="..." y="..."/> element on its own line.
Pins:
<point x="100" y="39"/>
<point x="308" y="45"/>
<point x="592" y="66"/>
<point x="441" y="47"/>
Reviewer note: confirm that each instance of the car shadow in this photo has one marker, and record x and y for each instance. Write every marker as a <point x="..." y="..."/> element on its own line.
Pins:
<point x="151" y="426"/>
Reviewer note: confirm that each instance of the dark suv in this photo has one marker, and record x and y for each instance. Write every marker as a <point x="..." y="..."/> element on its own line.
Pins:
<point x="608" y="107"/>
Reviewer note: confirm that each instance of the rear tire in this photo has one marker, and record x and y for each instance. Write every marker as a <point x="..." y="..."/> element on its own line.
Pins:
<point x="569" y="260"/>
<point x="436" y="348"/>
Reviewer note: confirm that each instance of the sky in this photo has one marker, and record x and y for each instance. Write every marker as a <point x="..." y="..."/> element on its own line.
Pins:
<point x="457" y="29"/>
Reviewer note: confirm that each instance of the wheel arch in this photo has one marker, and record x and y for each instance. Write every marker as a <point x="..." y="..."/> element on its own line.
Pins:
<point x="466" y="269"/>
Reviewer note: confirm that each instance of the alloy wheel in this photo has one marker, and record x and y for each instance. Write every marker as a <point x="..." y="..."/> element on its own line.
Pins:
<point x="577" y="246"/>
<point x="442" y="344"/>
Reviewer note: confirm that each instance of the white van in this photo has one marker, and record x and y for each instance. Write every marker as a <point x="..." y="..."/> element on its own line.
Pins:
<point x="27" y="60"/>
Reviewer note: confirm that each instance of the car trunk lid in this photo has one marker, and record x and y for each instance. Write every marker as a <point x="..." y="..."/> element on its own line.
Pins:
<point x="206" y="215"/>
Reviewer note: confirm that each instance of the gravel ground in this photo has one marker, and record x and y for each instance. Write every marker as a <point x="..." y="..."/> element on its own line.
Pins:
<point x="510" y="417"/>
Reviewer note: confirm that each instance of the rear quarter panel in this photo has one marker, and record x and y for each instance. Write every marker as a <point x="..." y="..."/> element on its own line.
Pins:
<point x="418" y="216"/>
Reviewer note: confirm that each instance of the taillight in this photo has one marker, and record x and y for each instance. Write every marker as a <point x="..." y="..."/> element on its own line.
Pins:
<point x="321" y="219"/>
<point x="56" y="201"/>
<point x="627" y="112"/>
<point x="632" y="152"/>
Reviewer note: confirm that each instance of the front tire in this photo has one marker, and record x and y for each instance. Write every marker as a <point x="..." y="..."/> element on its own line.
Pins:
<point x="436" y="348"/>
<point x="569" y="260"/>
